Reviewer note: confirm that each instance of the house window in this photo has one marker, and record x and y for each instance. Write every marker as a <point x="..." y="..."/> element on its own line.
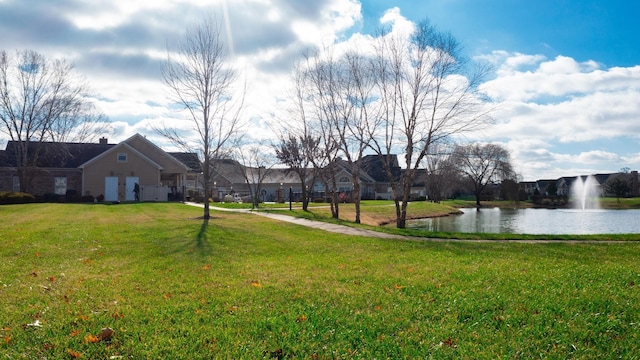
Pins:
<point x="122" y="157"/>
<point x="60" y="185"/>
<point x="16" y="184"/>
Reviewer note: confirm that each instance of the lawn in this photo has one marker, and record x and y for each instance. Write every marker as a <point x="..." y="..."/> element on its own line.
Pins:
<point x="170" y="285"/>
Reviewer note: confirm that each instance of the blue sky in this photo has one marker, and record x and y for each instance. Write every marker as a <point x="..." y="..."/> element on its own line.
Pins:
<point x="601" y="30"/>
<point x="566" y="85"/>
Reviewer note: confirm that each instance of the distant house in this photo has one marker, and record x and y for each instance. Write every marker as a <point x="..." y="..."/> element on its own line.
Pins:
<point x="565" y="184"/>
<point x="529" y="187"/>
<point x="102" y="170"/>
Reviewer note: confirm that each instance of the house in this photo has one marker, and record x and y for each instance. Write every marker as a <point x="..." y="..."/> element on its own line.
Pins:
<point x="230" y="177"/>
<point x="106" y="171"/>
<point x="373" y="165"/>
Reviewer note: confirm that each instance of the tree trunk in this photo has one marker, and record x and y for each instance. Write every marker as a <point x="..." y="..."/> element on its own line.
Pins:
<point x="305" y="195"/>
<point x="356" y="199"/>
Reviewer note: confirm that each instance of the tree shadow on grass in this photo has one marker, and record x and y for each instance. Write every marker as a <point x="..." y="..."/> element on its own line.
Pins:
<point x="203" y="247"/>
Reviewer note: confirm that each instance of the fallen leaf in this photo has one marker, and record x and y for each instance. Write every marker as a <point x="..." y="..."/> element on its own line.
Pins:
<point x="398" y="286"/>
<point x="276" y="354"/>
<point x="167" y="295"/>
<point x="117" y="315"/>
<point x="301" y="318"/>
<point x="37" y="254"/>
<point x="449" y="342"/>
<point x="47" y="346"/>
<point x="34" y="273"/>
<point x="7" y="339"/>
<point x="256" y="284"/>
<point x="206" y="267"/>
<point x="74" y="354"/>
<point x="52" y="278"/>
<point x="91" y="339"/>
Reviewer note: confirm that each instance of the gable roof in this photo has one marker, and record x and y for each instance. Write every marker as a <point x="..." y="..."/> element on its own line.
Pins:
<point x="160" y="156"/>
<point x="374" y="167"/>
<point x="55" y="154"/>
<point x="115" y="149"/>
<point x="77" y="155"/>
<point x="191" y="160"/>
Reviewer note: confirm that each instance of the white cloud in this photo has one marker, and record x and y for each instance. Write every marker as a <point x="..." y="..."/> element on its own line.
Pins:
<point x="400" y="25"/>
<point x="543" y="105"/>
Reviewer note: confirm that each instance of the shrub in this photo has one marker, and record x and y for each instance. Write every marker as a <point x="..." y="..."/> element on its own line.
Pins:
<point x="198" y="198"/>
<point x="228" y="198"/>
<point x="87" y="199"/>
<point x="52" y="198"/>
<point x="16" y="198"/>
<point x="100" y="198"/>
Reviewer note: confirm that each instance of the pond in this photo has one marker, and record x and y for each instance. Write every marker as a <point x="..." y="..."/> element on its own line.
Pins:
<point x="535" y="221"/>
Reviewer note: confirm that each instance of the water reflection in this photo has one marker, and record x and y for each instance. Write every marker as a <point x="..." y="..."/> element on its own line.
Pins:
<point x="535" y="221"/>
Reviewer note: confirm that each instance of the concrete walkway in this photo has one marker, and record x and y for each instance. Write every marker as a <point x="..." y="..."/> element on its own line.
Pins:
<point x="348" y="230"/>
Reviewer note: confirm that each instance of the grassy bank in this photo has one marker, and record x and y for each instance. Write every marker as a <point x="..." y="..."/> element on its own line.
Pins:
<point x="243" y="286"/>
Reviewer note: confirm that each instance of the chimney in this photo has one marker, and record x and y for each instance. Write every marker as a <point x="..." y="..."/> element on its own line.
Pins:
<point x="103" y="141"/>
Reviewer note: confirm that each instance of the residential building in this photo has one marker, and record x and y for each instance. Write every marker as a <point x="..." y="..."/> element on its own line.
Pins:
<point x="106" y="171"/>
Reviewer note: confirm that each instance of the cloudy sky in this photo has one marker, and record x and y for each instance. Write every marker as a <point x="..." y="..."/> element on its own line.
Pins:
<point x="566" y="82"/>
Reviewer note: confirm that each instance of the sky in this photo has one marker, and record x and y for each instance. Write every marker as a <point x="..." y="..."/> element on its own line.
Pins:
<point x="565" y="85"/>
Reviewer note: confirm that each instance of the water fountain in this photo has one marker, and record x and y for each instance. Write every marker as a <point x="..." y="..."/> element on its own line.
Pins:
<point x="584" y="193"/>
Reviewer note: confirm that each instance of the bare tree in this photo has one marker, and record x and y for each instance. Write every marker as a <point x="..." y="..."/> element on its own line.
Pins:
<point x="483" y="165"/>
<point x="339" y="89"/>
<point x="298" y="153"/>
<point x="427" y="93"/>
<point x="42" y="100"/>
<point x="441" y="175"/>
<point x="255" y="165"/>
<point x="619" y="186"/>
<point x="321" y="82"/>
<point x="356" y="91"/>
<point x="299" y="146"/>
<point x="201" y="81"/>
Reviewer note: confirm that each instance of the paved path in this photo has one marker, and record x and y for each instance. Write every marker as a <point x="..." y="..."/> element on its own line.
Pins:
<point x="336" y="228"/>
<point x="348" y="230"/>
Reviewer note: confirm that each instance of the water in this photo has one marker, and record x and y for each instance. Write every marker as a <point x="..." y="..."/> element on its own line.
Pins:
<point x="585" y="193"/>
<point x="535" y="221"/>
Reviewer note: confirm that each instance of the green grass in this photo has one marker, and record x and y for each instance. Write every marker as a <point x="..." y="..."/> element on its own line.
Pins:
<point x="244" y="286"/>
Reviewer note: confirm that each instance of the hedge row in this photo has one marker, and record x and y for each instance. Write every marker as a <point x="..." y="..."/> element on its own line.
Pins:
<point x="16" y="198"/>
<point x="24" y="198"/>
